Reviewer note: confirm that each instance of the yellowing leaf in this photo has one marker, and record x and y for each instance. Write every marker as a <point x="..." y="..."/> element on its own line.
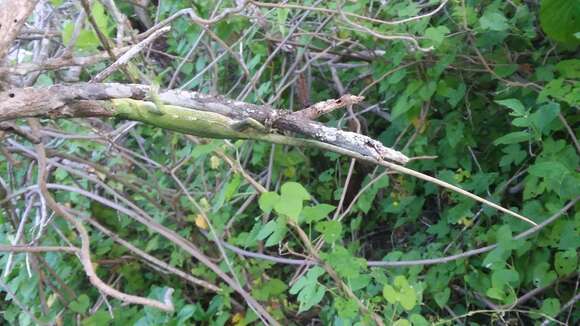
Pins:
<point x="200" y="222"/>
<point x="237" y="318"/>
<point x="214" y="162"/>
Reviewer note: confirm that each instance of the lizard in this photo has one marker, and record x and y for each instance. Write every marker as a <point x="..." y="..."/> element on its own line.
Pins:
<point x="210" y="124"/>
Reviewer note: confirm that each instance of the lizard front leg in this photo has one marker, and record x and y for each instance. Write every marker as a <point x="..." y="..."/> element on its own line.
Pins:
<point x="157" y="105"/>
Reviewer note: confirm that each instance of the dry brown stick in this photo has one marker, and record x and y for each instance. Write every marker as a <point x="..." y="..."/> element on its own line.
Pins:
<point x="57" y="63"/>
<point x="133" y="51"/>
<point x="104" y="40"/>
<point x="316" y="110"/>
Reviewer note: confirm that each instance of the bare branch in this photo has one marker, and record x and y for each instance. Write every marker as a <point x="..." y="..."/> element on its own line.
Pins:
<point x="13" y="15"/>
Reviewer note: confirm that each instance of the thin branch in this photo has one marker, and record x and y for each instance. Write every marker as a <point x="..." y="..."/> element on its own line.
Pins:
<point x="409" y="263"/>
<point x="349" y="14"/>
<point x="37" y="249"/>
<point x="133" y="51"/>
<point x="151" y="259"/>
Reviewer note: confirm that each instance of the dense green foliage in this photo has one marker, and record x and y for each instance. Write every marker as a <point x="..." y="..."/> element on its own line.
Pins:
<point x="496" y="101"/>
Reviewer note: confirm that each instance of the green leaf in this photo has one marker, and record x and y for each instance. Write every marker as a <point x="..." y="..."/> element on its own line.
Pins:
<point x="402" y="292"/>
<point x="542" y="117"/>
<point x="515" y="105"/>
<point x="346" y="308"/>
<point x="505" y="70"/>
<point x="512" y="138"/>
<point x="496" y="257"/>
<point x="565" y="262"/>
<point x="402" y="322"/>
<point x="81" y="304"/>
<point x="292" y="195"/>
<point x="272" y="288"/>
<point x="436" y="34"/>
<point x="282" y="15"/>
<point x="550" y="307"/>
<point x="560" y="19"/>
<point x="495" y="293"/>
<point x="294" y="190"/>
<point x="418" y="320"/>
<point x="309" y="291"/>
<point x="344" y="263"/>
<point x="454" y="133"/>
<point x="513" y="155"/>
<point x="365" y="201"/>
<point x="401" y="281"/>
<point x="390" y="294"/>
<point x="569" y="68"/>
<point x="204" y="149"/>
<point x="549" y="170"/>
<point x="290" y="207"/>
<point x="542" y="275"/>
<point x="279" y="233"/>
<point x="232" y="187"/>
<point x="504" y="237"/>
<point x="267" y="230"/>
<point x="570" y="235"/>
<point x="503" y="277"/>
<point x="317" y="212"/>
<point x="561" y="90"/>
<point x="408" y="297"/>
<point x="311" y="277"/>
<point x="331" y="230"/>
<point x="100" y="16"/>
<point x="267" y="201"/>
<point x="153" y="244"/>
<point x="493" y="21"/>
<point x="99" y="318"/>
<point x="442" y="297"/>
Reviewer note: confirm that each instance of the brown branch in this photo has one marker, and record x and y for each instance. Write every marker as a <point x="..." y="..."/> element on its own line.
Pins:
<point x="67" y="101"/>
<point x="62" y="62"/>
<point x="314" y="111"/>
<point x="13" y="15"/>
<point x="124" y="59"/>
<point x="15" y="129"/>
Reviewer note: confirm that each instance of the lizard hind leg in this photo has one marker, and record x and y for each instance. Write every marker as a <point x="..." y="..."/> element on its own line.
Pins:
<point x="248" y="123"/>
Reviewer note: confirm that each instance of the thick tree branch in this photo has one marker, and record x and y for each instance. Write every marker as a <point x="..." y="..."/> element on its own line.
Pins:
<point x="13" y="15"/>
<point x="79" y="100"/>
